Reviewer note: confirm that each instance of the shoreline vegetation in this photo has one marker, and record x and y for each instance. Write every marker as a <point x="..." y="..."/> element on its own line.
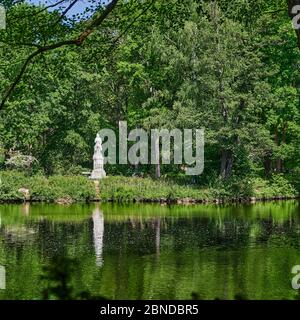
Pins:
<point x="18" y="187"/>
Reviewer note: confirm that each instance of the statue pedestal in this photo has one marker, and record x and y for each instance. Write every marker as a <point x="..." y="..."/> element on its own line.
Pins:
<point x="98" y="174"/>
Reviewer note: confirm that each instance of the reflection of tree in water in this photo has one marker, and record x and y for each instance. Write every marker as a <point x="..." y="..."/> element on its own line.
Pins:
<point x="153" y="256"/>
<point x="139" y="236"/>
<point x="58" y="276"/>
<point x="147" y="236"/>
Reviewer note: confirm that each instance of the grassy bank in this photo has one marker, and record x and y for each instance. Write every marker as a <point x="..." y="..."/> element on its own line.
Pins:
<point x="124" y="189"/>
<point x="17" y="186"/>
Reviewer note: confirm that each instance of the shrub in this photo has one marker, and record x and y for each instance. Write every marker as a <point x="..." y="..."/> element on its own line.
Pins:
<point x="77" y="188"/>
<point x="277" y="186"/>
<point x="10" y="183"/>
<point x="129" y="189"/>
<point x="136" y="189"/>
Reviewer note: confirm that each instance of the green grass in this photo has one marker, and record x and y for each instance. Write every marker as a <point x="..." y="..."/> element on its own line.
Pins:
<point x="128" y="189"/>
<point x="41" y="188"/>
<point x="133" y="189"/>
<point x="139" y="189"/>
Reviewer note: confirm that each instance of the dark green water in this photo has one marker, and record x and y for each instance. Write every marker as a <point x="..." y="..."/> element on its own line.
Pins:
<point x="152" y="251"/>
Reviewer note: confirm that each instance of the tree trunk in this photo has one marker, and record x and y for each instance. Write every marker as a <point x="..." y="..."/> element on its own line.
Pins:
<point x="283" y="142"/>
<point x="226" y="163"/>
<point x="278" y="165"/>
<point x="278" y="162"/>
<point x="157" y="171"/>
<point x="157" y="160"/>
<point x="267" y="166"/>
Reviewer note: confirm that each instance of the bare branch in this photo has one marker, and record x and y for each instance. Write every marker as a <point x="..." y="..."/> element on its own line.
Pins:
<point x="38" y="12"/>
<point x="132" y="23"/>
<point x="20" y="44"/>
<point x="65" y="12"/>
<point x="275" y="11"/>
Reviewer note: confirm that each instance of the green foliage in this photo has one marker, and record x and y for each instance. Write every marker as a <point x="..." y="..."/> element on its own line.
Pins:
<point x="124" y="189"/>
<point x="143" y="189"/>
<point x="67" y="189"/>
<point x="21" y="162"/>
<point x="10" y="183"/>
<point x="231" y="67"/>
<point x="41" y="188"/>
<point x="276" y="187"/>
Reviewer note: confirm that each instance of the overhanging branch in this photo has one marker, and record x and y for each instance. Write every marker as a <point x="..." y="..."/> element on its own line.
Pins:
<point x="96" y="21"/>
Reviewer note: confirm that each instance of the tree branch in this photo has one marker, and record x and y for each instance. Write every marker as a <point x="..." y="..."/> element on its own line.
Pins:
<point x="38" y="12"/>
<point x="275" y="11"/>
<point x="132" y="23"/>
<point x="20" y="44"/>
<point x="96" y="21"/>
<point x="65" y="12"/>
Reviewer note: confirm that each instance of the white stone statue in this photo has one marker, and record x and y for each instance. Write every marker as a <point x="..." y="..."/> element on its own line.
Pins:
<point x="98" y="170"/>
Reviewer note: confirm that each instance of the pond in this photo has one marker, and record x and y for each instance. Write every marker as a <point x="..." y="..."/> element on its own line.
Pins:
<point x="153" y="251"/>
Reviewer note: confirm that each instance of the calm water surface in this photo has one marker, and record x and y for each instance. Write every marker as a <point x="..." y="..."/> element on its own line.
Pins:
<point x="153" y="251"/>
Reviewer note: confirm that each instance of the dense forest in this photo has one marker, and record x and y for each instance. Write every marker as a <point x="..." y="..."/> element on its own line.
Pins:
<point x="229" y="66"/>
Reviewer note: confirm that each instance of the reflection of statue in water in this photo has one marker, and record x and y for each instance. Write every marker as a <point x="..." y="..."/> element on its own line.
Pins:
<point x="25" y="209"/>
<point x="98" y="169"/>
<point x="157" y="236"/>
<point x="98" y="231"/>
